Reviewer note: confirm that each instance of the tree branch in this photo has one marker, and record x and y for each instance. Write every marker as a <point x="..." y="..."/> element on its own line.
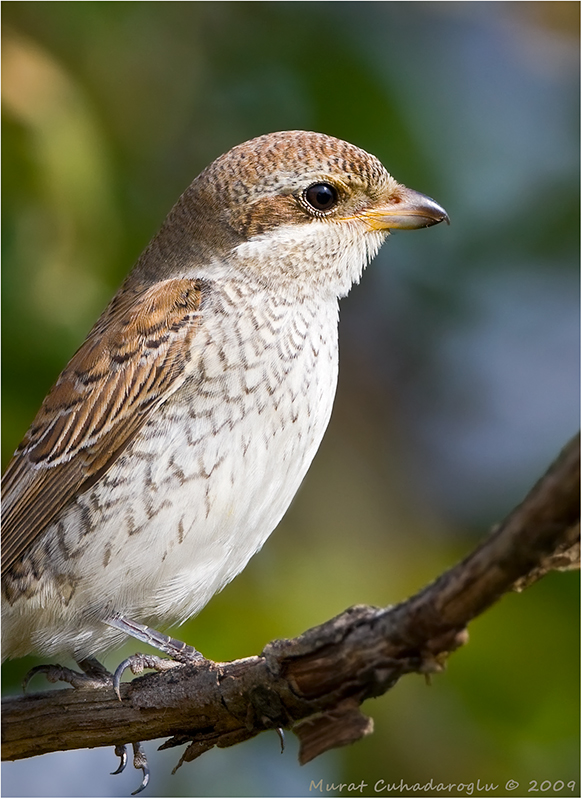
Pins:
<point x="315" y="683"/>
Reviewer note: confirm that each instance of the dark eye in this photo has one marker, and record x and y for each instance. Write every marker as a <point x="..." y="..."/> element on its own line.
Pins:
<point x="321" y="196"/>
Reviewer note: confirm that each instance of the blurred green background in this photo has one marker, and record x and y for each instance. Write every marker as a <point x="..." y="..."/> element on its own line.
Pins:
<point x="459" y="371"/>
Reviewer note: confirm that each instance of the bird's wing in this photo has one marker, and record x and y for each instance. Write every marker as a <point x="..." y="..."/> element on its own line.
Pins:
<point x="135" y="357"/>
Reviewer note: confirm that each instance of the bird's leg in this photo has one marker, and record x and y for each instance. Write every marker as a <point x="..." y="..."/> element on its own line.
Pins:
<point x="95" y="670"/>
<point x="179" y="652"/>
<point x="93" y="674"/>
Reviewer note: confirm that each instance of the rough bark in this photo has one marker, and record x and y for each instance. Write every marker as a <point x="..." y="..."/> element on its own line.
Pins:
<point x="314" y="684"/>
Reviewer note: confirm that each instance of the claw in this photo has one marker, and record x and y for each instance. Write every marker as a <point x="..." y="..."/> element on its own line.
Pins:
<point x="49" y="670"/>
<point x="94" y="675"/>
<point x="179" y="652"/>
<point x="140" y="762"/>
<point x="121" y="752"/>
<point x="281" y="735"/>
<point x="137" y="663"/>
<point x="118" y="675"/>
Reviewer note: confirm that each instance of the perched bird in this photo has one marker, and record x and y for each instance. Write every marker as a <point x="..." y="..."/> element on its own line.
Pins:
<point x="174" y="440"/>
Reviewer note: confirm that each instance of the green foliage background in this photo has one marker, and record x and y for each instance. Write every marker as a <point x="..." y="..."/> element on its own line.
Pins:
<point x="459" y="364"/>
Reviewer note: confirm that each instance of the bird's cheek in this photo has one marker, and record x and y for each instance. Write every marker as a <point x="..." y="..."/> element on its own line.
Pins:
<point x="267" y="214"/>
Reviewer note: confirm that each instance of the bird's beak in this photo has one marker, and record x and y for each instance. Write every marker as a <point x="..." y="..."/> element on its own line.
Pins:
<point x="409" y="210"/>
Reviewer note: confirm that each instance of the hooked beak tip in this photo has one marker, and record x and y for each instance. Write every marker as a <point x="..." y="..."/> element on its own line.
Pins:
<point x="410" y="211"/>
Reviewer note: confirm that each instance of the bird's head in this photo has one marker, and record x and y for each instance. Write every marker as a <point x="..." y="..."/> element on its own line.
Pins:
<point x="295" y="208"/>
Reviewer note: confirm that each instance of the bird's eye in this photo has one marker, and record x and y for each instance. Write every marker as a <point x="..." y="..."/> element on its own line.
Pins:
<point x="321" y="196"/>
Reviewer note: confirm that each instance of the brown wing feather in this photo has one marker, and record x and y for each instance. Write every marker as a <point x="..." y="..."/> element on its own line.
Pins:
<point x="135" y="357"/>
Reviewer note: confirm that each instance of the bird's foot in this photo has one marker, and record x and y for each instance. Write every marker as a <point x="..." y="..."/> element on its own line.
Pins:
<point x="93" y="674"/>
<point x="137" y="663"/>
<point x="179" y="652"/>
<point x="139" y="762"/>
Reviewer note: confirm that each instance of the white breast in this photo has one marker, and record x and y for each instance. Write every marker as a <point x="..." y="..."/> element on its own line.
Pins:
<point x="205" y="482"/>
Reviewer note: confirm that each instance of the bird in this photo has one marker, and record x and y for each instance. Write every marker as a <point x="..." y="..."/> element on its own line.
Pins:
<point x="174" y="440"/>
